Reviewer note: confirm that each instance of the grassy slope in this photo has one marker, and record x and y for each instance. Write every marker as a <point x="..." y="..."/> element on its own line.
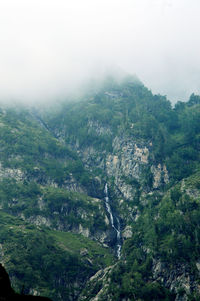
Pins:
<point x="47" y="261"/>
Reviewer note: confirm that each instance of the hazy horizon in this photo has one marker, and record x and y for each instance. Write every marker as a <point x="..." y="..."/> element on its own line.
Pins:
<point x="48" y="48"/>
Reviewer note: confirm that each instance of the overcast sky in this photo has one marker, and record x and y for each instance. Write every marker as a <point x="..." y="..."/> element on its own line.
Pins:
<point x="47" y="46"/>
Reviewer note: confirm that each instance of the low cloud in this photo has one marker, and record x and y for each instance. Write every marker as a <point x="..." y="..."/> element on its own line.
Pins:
<point x="50" y="47"/>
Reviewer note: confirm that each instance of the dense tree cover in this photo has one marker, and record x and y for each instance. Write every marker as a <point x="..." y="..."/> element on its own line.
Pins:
<point x="31" y="148"/>
<point x="47" y="261"/>
<point x="64" y="209"/>
<point x="183" y="158"/>
<point x="41" y="155"/>
<point x="168" y="232"/>
<point x="43" y="147"/>
<point x="130" y="108"/>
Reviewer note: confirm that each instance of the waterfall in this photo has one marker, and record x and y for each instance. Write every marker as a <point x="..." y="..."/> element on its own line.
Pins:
<point x="114" y="221"/>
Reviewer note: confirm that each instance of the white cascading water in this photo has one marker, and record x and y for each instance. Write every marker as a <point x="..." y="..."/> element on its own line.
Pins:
<point x="115" y="227"/>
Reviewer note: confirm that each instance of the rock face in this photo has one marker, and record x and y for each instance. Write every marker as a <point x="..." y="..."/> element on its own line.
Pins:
<point x="160" y="175"/>
<point x="179" y="279"/>
<point x="8" y="294"/>
<point x="14" y="173"/>
<point x="97" y="286"/>
<point x="127" y="163"/>
<point x="55" y="166"/>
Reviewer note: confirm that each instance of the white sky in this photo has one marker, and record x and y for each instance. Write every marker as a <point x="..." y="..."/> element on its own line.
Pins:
<point x="47" y="46"/>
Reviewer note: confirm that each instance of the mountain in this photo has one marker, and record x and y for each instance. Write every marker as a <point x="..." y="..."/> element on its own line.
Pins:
<point x="8" y="294"/>
<point x="100" y="195"/>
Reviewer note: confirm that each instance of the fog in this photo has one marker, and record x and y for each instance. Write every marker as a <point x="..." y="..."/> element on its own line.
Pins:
<point x="51" y="47"/>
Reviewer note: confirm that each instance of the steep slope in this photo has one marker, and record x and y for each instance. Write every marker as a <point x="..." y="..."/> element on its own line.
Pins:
<point x="48" y="262"/>
<point x="161" y="259"/>
<point x="42" y="183"/>
<point x="111" y="167"/>
<point x="141" y="146"/>
<point x="41" y="178"/>
<point x="131" y="139"/>
<point x="7" y="293"/>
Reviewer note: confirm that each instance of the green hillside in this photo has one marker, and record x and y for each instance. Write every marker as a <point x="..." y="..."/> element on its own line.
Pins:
<point x="99" y="196"/>
<point x="46" y="261"/>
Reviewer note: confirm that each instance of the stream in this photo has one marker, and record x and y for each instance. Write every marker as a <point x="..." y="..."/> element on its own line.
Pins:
<point x="114" y="221"/>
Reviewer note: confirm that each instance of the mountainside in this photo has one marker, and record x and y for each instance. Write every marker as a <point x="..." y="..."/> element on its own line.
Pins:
<point x="100" y="196"/>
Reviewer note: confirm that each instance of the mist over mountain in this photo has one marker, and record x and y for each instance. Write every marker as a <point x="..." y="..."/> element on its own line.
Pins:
<point x="99" y="196"/>
<point x="49" y="48"/>
<point x="100" y="150"/>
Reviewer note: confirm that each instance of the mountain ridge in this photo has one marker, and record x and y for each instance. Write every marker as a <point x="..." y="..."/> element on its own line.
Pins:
<point x="56" y="163"/>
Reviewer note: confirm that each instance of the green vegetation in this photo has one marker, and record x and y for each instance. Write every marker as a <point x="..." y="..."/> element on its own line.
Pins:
<point x="63" y="208"/>
<point x="27" y="250"/>
<point x="166" y="232"/>
<point x="75" y="242"/>
<point x="53" y="169"/>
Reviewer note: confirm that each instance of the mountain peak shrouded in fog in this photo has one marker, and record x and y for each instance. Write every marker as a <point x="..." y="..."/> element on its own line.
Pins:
<point x="100" y="197"/>
<point x="50" y="48"/>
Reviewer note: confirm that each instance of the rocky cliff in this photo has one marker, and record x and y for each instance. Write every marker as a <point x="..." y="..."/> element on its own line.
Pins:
<point x="118" y="168"/>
